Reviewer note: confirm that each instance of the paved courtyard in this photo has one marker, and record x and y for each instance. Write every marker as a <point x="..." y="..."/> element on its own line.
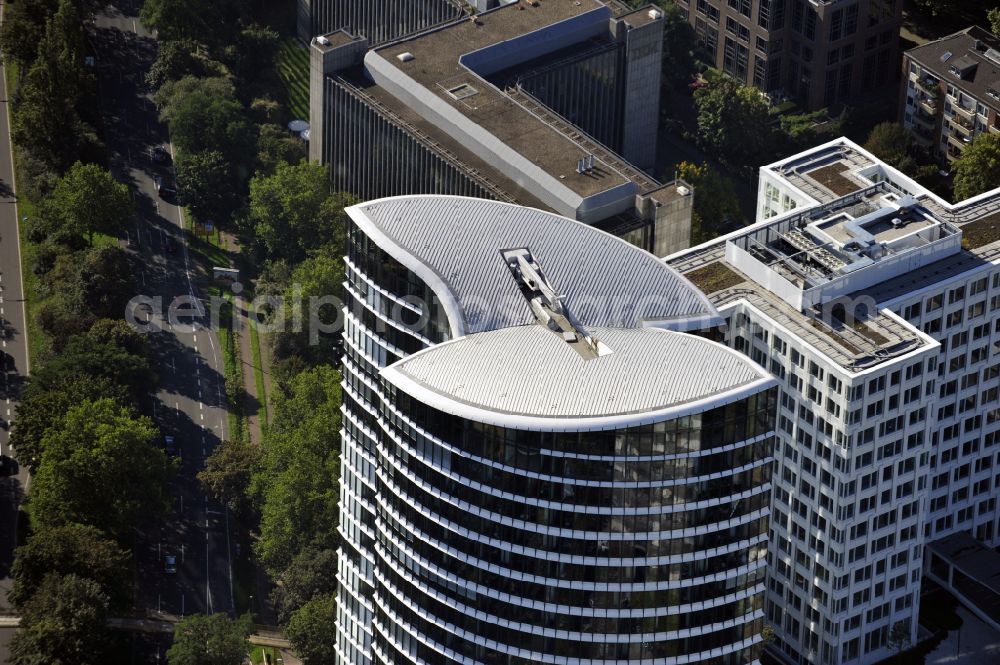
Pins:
<point x="975" y="644"/>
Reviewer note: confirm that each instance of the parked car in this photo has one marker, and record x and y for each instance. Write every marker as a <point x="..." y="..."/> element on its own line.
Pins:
<point x="171" y="245"/>
<point x="160" y="155"/>
<point x="170" y="564"/>
<point x="165" y="189"/>
<point x="169" y="446"/>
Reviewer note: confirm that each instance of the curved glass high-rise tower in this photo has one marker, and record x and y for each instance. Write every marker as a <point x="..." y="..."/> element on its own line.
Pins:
<point x="541" y="463"/>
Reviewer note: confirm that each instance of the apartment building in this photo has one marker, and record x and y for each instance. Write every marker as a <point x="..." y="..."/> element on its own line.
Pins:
<point x="544" y="459"/>
<point x="819" y="52"/>
<point x="877" y="306"/>
<point x="488" y="106"/>
<point x="951" y="91"/>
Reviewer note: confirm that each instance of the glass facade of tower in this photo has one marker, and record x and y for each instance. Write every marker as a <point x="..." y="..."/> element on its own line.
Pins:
<point x="473" y="543"/>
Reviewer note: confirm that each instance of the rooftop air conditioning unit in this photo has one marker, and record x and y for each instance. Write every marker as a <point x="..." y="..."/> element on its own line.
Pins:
<point x="405" y="57"/>
<point x="323" y="41"/>
<point x="683" y="191"/>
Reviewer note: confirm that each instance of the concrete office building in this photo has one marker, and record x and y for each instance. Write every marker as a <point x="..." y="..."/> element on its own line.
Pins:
<point x="379" y="21"/>
<point x="875" y="303"/>
<point x="543" y="462"/>
<point x="951" y="91"/>
<point x="482" y="107"/>
<point x="820" y="52"/>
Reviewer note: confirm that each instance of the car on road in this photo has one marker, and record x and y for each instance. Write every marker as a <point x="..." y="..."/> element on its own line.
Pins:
<point x="171" y="245"/>
<point x="160" y="155"/>
<point x="8" y="466"/>
<point x="170" y="564"/>
<point x="170" y="446"/>
<point x="165" y="189"/>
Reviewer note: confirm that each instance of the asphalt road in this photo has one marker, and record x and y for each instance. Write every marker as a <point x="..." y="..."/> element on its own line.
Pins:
<point x="13" y="342"/>
<point x="190" y="400"/>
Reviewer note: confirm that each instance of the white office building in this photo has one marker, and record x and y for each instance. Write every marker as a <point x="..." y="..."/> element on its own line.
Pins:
<point x="875" y="303"/>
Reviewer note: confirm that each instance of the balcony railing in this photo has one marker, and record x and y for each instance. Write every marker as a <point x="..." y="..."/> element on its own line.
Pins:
<point x="961" y="111"/>
<point x="928" y="105"/>
<point x="958" y="141"/>
<point x="928" y="84"/>
<point x="961" y="127"/>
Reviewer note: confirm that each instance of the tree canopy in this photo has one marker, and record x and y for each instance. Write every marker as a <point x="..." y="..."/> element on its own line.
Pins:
<point x="715" y="202"/>
<point x="733" y="121"/>
<point x="297" y="484"/>
<point x="293" y="212"/>
<point x="88" y="200"/>
<point x="210" y="640"/>
<point x="86" y="358"/>
<point x="71" y="549"/>
<point x="207" y="185"/>
<point x="227" y="473"/>
<point x="978" y="169"/>
<point x="175" y="20"/>
<point x="310" y="632"/>
<point x="311" y="573"/>
<point x="101" y="466"/>
<point x="64" y="622"/>
<point x="174" y="61"/>
<point x="41" y="408"/>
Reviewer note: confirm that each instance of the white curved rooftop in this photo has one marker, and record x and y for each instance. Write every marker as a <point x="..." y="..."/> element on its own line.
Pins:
<point x="527" y="377"/>
<point x="454" y="243"/>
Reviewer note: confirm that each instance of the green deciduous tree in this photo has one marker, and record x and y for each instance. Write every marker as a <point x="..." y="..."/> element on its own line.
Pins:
<point x="202" y="123"/>
<point x="41" y="409"/>
<point x="312" y="572"/>
<point x="312" y="630"/>
<point x="293" y="212"/>
<point x="297" y="484"/>
<point x="937" y="7"/>
<point x="210" y="640"/>
<point x="174" y="61"/>
<point x="63" y="623"/>
<point x="317" y="278"/>
<point x="88" y="200"/>
<point x="227" y="473"/>
<point x="101" y="466"/>
<point x="207" y="185"/>
<point x="72" y="549"/>
<point x="182" y="19"/>
<point x="104" y="282"/>
<point x="734" y="122"/>
<point x="86" y="358"/>
<point x="23" y="28"/>
<point x="716" y="206"/>
<point x="679" y="44"/>
<point x="994" y="18"/>
<point x="254" y="50"/>
<point x="274" y="147"/>
<point x="45" y="120"/>
<point x="173" y="92"/>
<point x="893" y="143"/>
<point x="978" y="169"/>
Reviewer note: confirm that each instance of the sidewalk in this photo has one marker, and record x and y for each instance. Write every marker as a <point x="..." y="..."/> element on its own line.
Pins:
<point x="974" y="644"/>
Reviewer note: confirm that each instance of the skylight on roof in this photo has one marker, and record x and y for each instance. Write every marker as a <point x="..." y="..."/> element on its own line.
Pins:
<point x="946" y="56"/>
<point x="462" y="91"/>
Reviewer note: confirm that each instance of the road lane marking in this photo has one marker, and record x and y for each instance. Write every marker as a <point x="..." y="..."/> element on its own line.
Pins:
<point x="201" y="406"/>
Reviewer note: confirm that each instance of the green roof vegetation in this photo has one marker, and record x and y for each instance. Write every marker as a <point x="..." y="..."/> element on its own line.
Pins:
<point x="833" y="179"/>
<point x="981" y="232"/>
<point x="715" y="277"/>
